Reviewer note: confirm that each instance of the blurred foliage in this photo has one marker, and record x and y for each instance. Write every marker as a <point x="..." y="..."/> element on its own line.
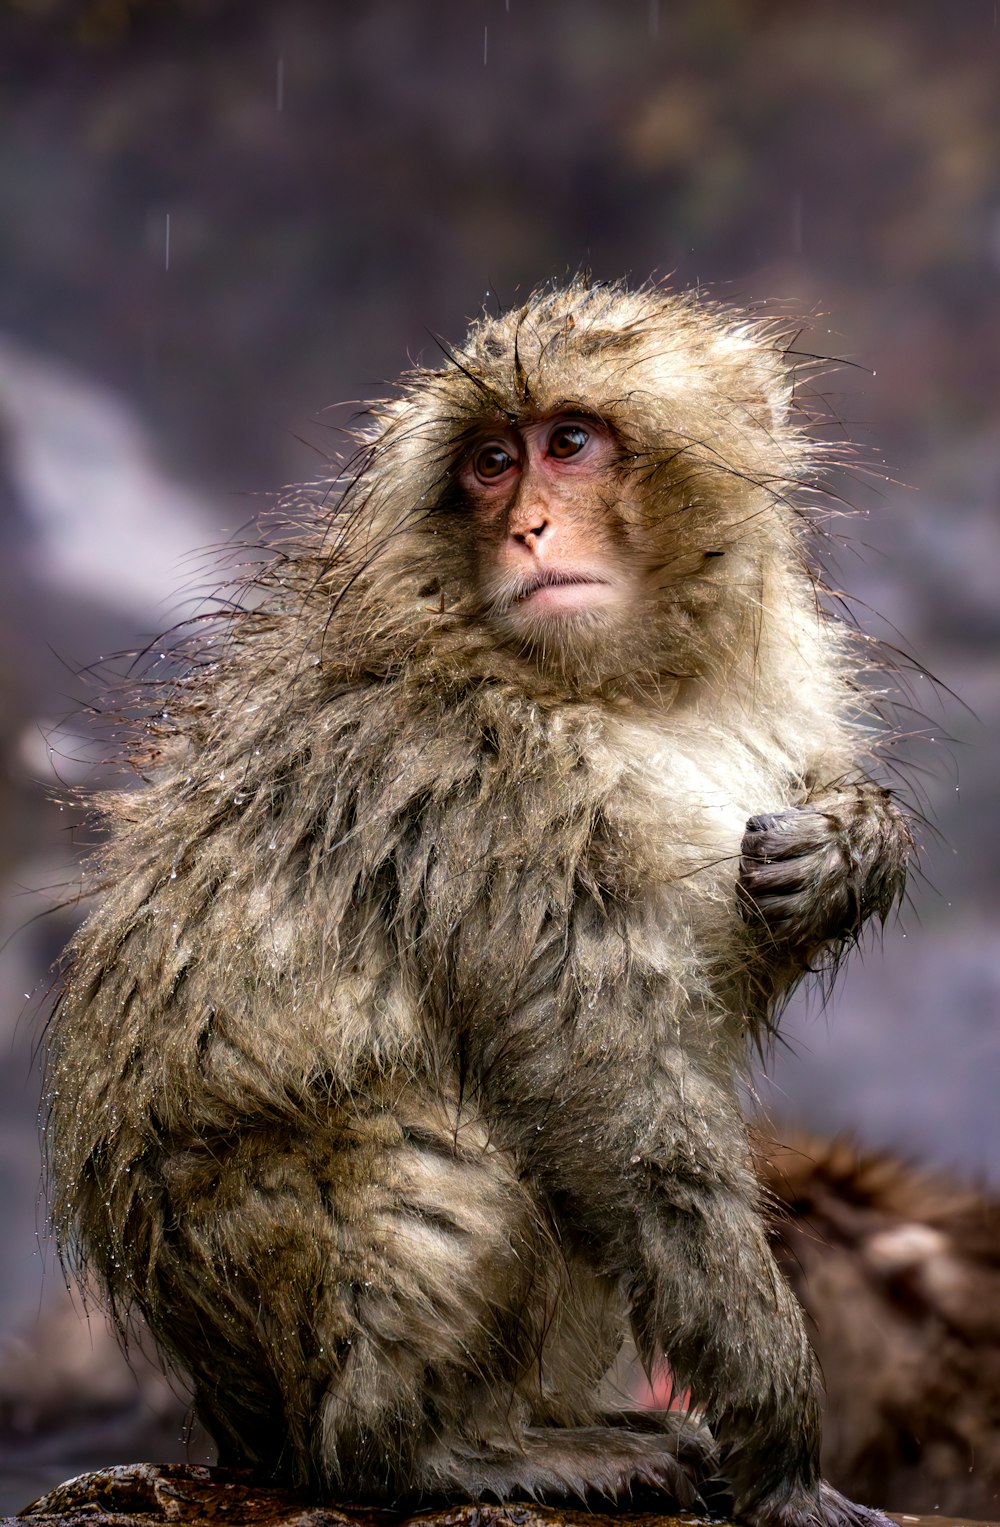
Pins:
<point x="103" y="23"/>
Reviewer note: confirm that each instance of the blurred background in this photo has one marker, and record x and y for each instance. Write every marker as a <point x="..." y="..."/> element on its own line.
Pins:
<point x="223" y="222"/>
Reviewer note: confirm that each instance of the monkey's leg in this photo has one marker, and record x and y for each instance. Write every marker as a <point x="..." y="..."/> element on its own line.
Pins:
<point x="645" y="1159"/>
<point x="467" y="1296"/>
<point x="712" y="1298"/>
<point x="578" y="1436"/>
<point x="359" y="1308"/>
<point x="668" y="1458"/>
<point x="815" y="873"/>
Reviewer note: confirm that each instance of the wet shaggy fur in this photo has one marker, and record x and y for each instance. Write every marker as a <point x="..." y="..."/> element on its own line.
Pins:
<point x="395" y="1075"/>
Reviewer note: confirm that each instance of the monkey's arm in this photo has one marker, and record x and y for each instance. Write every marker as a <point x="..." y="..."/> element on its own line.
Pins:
<point x="815" y="873"/>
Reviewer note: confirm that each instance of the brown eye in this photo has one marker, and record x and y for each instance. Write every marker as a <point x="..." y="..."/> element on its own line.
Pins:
<point x="567" y="440"/>
<point x="491" y="462"/>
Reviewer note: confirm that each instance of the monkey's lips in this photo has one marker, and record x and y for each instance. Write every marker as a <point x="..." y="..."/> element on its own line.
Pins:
<point x="564" y="589"/>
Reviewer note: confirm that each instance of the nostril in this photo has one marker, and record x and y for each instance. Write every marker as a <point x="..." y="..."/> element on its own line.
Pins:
<point x="533" y="531"/>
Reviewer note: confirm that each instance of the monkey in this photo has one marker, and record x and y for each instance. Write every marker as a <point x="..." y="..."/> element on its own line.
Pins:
<point x="397" y="1072"/>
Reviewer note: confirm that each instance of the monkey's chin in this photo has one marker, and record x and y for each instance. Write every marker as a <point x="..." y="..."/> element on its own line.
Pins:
<point x="571" y="643"/>
<point x="561" y="626"/>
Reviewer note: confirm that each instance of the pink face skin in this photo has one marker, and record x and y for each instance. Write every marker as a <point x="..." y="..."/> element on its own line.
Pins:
<point x="542" y="494"/>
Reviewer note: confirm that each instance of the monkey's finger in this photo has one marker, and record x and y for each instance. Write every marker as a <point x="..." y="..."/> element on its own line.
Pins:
<point x="811" y="918"/>
<point x="788" y="834"/>
<point x="801" y="873"/>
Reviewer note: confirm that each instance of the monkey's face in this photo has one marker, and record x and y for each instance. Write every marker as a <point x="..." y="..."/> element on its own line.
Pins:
<point x="598" y="491"/>
<point x="546" y="500"/>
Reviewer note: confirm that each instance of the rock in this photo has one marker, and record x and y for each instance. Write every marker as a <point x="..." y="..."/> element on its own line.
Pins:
<point x="188" y="1495"/>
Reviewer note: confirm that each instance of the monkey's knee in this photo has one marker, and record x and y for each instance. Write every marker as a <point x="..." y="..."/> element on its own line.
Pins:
<point x="448" y="1317"/>
<point x="337" y="1301"/>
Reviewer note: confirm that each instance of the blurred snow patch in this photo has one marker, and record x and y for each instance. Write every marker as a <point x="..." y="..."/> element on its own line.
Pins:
<point x="111" y="524"/>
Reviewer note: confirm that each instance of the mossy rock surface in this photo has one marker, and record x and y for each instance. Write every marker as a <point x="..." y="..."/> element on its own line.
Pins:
<point x="189" y="1495"/>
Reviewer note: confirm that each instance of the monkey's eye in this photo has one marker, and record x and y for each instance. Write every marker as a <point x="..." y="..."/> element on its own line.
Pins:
<point x="567" y="440"/>
<point x="492" y="462"/>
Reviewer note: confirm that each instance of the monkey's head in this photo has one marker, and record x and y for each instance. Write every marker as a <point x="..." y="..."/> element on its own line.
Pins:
<point x="597" y="486"/>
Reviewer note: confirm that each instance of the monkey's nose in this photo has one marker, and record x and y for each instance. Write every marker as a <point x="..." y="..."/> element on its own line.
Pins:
<point x="532" y="532"/>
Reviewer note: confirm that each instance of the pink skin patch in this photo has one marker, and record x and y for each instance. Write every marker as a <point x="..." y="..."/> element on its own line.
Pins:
<point x="535" y="488"/>
<point x="660" y="1392"/>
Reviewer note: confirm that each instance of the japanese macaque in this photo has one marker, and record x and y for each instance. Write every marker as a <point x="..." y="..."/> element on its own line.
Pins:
<point x="396" y="1075"/>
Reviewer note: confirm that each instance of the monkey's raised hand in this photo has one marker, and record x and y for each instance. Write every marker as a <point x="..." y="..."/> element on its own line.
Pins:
<point x="815" y="873"/>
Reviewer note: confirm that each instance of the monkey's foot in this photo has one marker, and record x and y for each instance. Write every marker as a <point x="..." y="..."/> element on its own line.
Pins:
<point x="816" y="872"/>
<point x="806" y="1509"/>
<point x="672" y="1458"/>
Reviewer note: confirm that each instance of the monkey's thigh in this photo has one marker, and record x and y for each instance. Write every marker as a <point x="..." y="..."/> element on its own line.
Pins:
<point x="344" y="1296"/>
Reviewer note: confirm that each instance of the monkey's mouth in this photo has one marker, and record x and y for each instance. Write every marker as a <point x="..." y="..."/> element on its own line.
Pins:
<point x="563" y="589"/>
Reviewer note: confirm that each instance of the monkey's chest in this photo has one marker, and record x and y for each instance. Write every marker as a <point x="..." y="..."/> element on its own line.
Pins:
<point x="689" y="789"/>
<point x="678" y="813"/>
